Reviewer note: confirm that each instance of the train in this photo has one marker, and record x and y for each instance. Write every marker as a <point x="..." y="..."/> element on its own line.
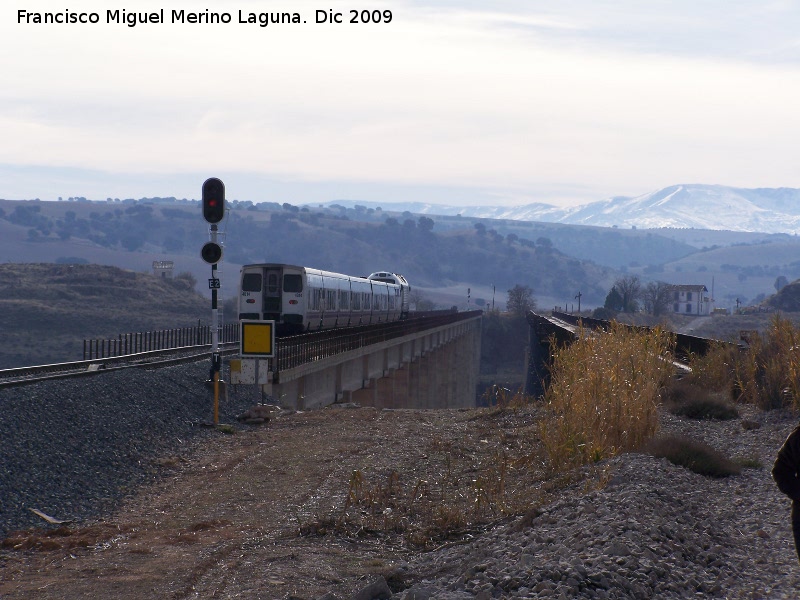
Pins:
<point x="303" y="299"/>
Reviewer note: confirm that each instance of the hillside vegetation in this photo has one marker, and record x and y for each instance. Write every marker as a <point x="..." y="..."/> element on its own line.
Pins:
<point x="47" y="310"/>
<point x="442" y="256"/>
<point x="133" y="233"/>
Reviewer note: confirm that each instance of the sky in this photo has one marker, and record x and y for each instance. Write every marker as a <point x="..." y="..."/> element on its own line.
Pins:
<point x="453" y="102"/>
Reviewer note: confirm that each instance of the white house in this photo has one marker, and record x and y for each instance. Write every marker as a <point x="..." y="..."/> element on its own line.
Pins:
<point x="690" y="299"/>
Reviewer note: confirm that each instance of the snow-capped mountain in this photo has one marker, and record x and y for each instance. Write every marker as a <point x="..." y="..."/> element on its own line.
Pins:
<point x="698" y="206"/>
<point x="765" y="210"/>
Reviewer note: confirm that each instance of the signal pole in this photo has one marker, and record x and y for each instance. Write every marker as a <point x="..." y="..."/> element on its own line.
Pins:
<point x="211" y="252"/>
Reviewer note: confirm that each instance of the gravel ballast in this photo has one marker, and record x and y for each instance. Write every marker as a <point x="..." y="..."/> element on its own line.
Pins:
<point x="655" y="530"/>
<point x="74" y="447"/>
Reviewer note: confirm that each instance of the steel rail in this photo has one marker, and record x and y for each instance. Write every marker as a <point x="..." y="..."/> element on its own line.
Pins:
<point x="81" y="368"/>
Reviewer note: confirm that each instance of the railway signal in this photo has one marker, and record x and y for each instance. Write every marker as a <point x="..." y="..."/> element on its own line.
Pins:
<point x="213" y="195"/>
<point x="213" y="200"/>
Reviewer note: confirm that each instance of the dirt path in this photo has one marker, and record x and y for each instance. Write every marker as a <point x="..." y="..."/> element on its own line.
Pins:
<point x="225" y="522"/>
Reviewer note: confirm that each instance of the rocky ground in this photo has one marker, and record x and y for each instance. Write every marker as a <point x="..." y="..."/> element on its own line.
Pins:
<point x="364" y="503"/>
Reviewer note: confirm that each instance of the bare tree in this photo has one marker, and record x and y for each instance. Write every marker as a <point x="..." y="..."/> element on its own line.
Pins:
<point x="630" y="289"/>
<point x="520" y="300"/>
<point x="656" y="297"/>
<point x="418" y="299"/>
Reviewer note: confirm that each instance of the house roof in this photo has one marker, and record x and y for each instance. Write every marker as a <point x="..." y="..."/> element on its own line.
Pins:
<point x="689" y="288"/>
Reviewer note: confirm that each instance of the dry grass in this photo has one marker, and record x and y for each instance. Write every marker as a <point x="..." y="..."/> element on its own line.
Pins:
<point x="604" y="394"/>
<point x="716" y="369"/>
<point x="768" y="374"/>
<point x="685" y="398"/>
<point x="494" y="470"/>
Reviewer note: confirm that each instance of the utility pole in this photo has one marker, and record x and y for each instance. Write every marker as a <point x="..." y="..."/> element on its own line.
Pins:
<point x="579" y="301"/>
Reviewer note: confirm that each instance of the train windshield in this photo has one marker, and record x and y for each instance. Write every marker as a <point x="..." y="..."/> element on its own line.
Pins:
<point x="251" y="282"/>
<point x="292" y="283"/>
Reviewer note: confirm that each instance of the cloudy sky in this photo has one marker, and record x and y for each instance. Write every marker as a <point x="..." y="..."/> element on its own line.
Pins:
<point x="452" y="102"/>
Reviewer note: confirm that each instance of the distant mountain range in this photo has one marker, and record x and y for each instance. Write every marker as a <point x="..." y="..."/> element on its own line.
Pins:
<point x="697" y="206"/>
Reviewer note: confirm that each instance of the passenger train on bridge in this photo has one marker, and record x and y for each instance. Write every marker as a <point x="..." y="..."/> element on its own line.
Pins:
<point x="303" y="299"/>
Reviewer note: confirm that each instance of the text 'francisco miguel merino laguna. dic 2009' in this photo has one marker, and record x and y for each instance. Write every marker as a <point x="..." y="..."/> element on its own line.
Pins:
<point x="206" y="17"/>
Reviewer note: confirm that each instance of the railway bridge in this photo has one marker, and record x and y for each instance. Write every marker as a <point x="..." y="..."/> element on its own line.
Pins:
<point x="423" y="362"/>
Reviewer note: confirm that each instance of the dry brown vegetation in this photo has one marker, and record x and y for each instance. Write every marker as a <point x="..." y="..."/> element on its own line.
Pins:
<point x="604" y="394"/>
<point x="765" y="374"/>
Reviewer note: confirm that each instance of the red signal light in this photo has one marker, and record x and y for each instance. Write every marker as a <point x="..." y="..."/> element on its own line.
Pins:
<point x="213" y="200"/>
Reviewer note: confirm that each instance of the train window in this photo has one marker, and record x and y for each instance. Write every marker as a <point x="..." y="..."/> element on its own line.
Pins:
<point x="292" y="283"/>
<point x="272" y="282"/>
<point x="356" y="301"/>
<point x="344" y="300"/>
<point x="251" y="282"/>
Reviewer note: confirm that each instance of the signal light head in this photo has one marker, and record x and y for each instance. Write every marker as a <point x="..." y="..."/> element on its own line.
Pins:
<point x="213" y="200"/>
<point x="211" y="252"/>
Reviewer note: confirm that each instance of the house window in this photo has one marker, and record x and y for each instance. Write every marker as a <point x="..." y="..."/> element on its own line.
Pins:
<point x="675" y="297"/>
<point x="675" y="308"/>
<point x="688" y="308"/>
<point x="689" y="296"/>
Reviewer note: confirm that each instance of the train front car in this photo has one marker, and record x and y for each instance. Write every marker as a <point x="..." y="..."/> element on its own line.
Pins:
<point x="402" y="291"/>
<point x="302" y="299"/>
<point x="274" y="292"/>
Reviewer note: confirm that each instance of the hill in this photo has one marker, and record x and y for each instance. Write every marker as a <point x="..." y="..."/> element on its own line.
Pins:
<point x="443" y="264"/>
<point x="47" y="310"/>
<point x="442" y="256"/>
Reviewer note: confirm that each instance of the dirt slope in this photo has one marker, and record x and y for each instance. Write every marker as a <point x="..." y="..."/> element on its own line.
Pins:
<point x="265" y="513"/>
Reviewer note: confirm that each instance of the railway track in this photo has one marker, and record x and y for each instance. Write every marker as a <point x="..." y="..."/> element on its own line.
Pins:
<point x="82" y="368"/>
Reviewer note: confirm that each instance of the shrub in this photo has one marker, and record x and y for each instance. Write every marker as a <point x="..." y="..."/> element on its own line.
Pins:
<point x="684" y="398"/>
<point x="604" y="394"/>
<point x="695" y="456"/>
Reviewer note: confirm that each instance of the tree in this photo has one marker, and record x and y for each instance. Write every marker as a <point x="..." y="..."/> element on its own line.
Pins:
<point x="425" y="224"/>
<point x="613" y="300"/>
<point x="420" y="302"/>
<point x="520" y="300"/>
<point x="656" y="297"/>
<point x="780" y="283"/>
<point x="630" y="289"/>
